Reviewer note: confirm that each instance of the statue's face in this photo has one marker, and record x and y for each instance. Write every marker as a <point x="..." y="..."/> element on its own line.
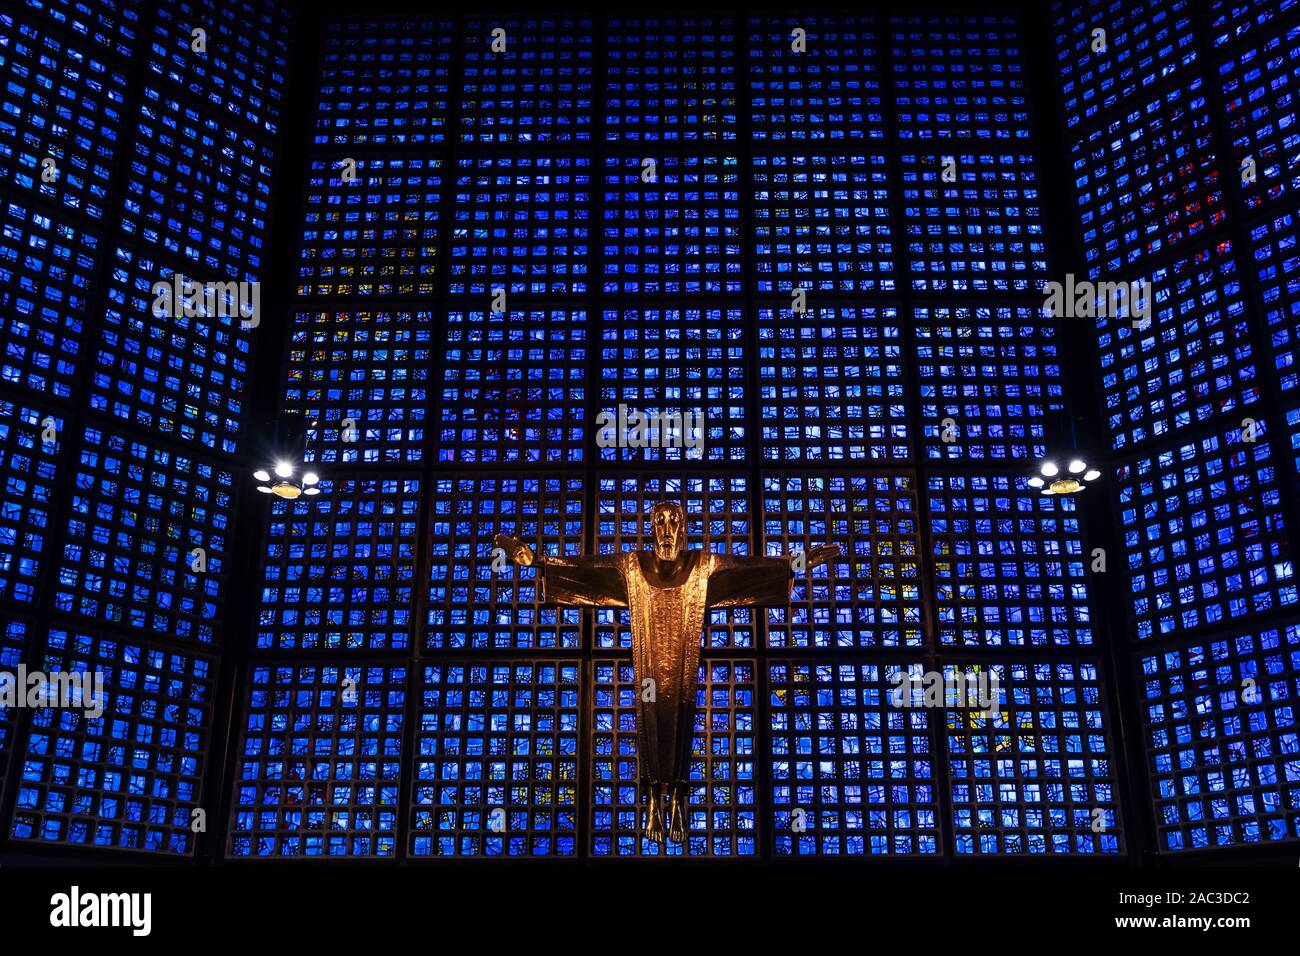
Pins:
<point x="669" y="524"/>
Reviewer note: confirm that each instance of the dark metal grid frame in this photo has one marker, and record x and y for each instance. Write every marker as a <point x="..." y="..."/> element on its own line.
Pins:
<point x="761" y="796"/>
<point x="1230" y="20"/>
<point x="674" y="234"/>
<point x="14" y="644"/>
<point x="138" y="517"/>
<point x="246" y="87"/>
<point x="339" y="568"/>
<point x="981" y="233"/>
<point x="198" y="187"/>
<point x="88" y="25"/>
<point x="1258" y="86"/>
<point x="30" y="476"/>
<point x="1035" y="775"/>
<point x="1272" y="249"/>
<point x="553" y="84"/>
<point x="522" y="223"/>
<point x="1148" y="181"/>
<point x="114" y="27"/>
<point x="820" y="223"/>
<point x="1204" y="532"/>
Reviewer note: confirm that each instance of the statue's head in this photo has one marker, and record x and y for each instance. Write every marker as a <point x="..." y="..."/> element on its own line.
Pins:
<point x="668" y="521"/>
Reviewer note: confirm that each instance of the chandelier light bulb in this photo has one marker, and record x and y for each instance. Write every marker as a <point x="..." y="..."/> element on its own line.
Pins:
<point x="1077" y="466"/>
<point x="1091" y="475"/>
<point x="1049" y="469"/>
<point x="262" y="475"/>
<point x="283" y="469"/>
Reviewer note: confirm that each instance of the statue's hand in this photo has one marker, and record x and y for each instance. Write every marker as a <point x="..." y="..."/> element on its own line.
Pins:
<point x="803" y="561"/>
<point x="515" y="550"/>
<point x="823" y="553"/>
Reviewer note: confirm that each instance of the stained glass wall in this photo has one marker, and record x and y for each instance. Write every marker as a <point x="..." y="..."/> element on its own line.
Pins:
<point x="792" y="227"/>
<point x="1177" y="127"/>
<point x="138" y="145"/>
<point x="828" y="236"/>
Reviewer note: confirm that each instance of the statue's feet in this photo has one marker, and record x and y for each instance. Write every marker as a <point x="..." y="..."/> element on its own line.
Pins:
<point x="654" y="817"/>
<point x="677" y="816"/>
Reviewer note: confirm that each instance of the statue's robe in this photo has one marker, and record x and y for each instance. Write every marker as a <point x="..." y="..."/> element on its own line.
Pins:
<point x="667" y="620"/>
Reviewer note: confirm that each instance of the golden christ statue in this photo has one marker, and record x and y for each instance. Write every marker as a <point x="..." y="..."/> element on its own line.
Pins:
<point x="667" y="591"/>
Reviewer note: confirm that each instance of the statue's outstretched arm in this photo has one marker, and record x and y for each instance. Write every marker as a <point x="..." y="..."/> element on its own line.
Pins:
<point x="591" y="580"/>
<point x="740" y="581"/>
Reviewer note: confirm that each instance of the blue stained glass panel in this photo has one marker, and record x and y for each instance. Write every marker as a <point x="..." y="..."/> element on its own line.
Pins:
<point x="829" y="90"/>
<point x="851" y="774"/>
<point x="360" y="381"/>
<point x="124" y="770"/>
<point x="496" y="771"/>
<point x="319" y="759"/>
<point x="178" y="375"/>
<point x="128" y="555"/>
<point x="384" y="83"/>
<point x="46" y="266"/>
<point x="339" y="567"/>
<point x="476" y="599"/>
<point x="1033" y="774"/>
<point x="62" y="105"/>
<point x="721" y="815"/>
<point x="1141" y="42"/>
<point x="870" y="595"/>
<point x="1008" y="564"/>
<point x="1203" y="532"/>
<point x="1219" y="721"/>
